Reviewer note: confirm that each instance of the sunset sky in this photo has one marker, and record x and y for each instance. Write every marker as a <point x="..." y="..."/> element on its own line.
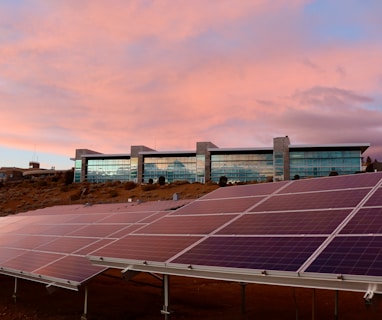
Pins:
<point x="105" y="75"/>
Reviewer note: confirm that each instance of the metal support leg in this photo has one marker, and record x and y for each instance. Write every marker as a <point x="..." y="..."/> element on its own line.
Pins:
<point x="314" y="304"/>
<point x="84" y="315"/>
<point x="166" y="310"/>
<point x="14" y="295"/>
<point x="336" y="305"/>
<point x="243" y="297"/>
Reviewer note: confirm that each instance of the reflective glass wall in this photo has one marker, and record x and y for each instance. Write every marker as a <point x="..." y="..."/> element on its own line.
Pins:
<point x="77" y="170"/>
<point x="320" y="163"/>
<point x="102" y="170"/>
<point x="173" y="168"/>
<point x="242" y="167"/>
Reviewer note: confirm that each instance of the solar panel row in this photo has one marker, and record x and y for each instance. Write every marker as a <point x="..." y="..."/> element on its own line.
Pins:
<point x="321" y="226"/>
<point x="50" y="245"/>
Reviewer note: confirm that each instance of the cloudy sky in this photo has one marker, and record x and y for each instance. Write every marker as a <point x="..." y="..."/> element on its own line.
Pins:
<point x="105" y="75"/>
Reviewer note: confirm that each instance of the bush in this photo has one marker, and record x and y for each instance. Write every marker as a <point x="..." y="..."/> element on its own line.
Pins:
<point x="129" y="185"/>
<point x="113" y="193"/>
<point x="148" y="187"/>
<point x="223" y="181"/>
<point x="161" y="180"/>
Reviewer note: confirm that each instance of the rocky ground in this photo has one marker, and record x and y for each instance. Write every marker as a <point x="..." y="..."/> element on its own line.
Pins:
<point x="111" y="297"/>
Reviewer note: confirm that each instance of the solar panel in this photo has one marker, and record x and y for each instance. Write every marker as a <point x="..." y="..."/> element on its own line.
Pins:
<point x="366" y="221"/>
<point x="300" y="222"/>
<point x="75" y="268"/>
<point x="186" y="224"/>
<point x="308" y="231"/>
<point x="245" y="190"/>
<point x="51" y="244"/>
<point x="351" y="255"/>
<point x="264" y="253"/>
<point x="31" y="260"/>
<point x="332" y="183"/>
<point x="147" y="248"/>
<point x="313" y="200"/>
<point x="219" y="206"/>
<point x="301" y="232"/>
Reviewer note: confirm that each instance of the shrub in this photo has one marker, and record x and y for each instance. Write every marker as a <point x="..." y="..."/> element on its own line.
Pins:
<point x="161" y="180"/>
<point x="223" y="181"/>
<point x="148" y="187"/>
<point x="129" y="185"/>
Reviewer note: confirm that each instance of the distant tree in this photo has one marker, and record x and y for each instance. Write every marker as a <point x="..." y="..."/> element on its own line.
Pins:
<point x="333" y="173"/>
<point x="296" y="177"/>
<point x="151" y="181"/>
<point x="69" y="177"/>
<point x="223" y="181"/>
<point x="161" y="180"/>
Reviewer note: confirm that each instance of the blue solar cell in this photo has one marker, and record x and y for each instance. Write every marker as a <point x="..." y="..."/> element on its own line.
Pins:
<point x="315" y="200"/>
<point x="264" y="253"/>
<point x="350" y="255"/>
<point x="304" y="222"/>
<point x="367" y="220"/>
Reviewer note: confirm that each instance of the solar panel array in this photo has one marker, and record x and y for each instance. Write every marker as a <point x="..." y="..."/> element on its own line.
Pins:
<point x="304" y="228"/>
<point x="50" y="245"/>
<point x="324" y="228"/>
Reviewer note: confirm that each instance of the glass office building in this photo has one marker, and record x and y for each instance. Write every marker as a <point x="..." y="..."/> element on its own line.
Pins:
<point x="318" y="162"/>
<point x="242" y="165"/>
<point x="283" y="161"/>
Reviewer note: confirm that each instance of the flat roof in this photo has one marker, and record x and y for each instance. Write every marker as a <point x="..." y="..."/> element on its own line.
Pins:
<point x="361" y="146"/>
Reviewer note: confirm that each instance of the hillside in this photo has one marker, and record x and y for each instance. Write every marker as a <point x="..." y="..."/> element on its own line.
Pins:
<point x="28" y="195"/>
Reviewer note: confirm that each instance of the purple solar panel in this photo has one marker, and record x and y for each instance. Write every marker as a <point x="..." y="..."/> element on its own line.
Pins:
<point x="332" y="183"/>
<point x="245" y="190"/>
<point x="264" y="253"/>
<point x="94" y="246"/>
<point x="72" y="268"/>
<point x="127" y="217"/>
<point x="366" y="221"/>
<point x="31" y="260"/>
<point x="31" y="242"/>
<point x="62" y="229"/>
<point x="66" y="244"/>
<point x="9" y="253"/>
<point x="234" y="205"/>
<point x="146" y="248"/>
<point x="314" y="201"/>
<point x="98" y="230"/>
<point x="186" y="224"/>
<point x="127" y="230"/>
<point x="350" y="255"/>
<point x="307" y="222"/>
<point x="375" y="199"/>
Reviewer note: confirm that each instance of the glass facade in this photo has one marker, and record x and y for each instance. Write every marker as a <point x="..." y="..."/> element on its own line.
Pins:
<point x="319" y="163"/>
<point x="279" y="166"/>
<point x="242" y="167"/>
<point x="102" y="170"/>
<point x="77" y="170"/>
<point x="209" y="163"/>
<point x="173" y="168"/>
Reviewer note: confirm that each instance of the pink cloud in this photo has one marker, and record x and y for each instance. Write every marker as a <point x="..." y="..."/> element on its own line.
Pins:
<point x="85" y="74"/>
